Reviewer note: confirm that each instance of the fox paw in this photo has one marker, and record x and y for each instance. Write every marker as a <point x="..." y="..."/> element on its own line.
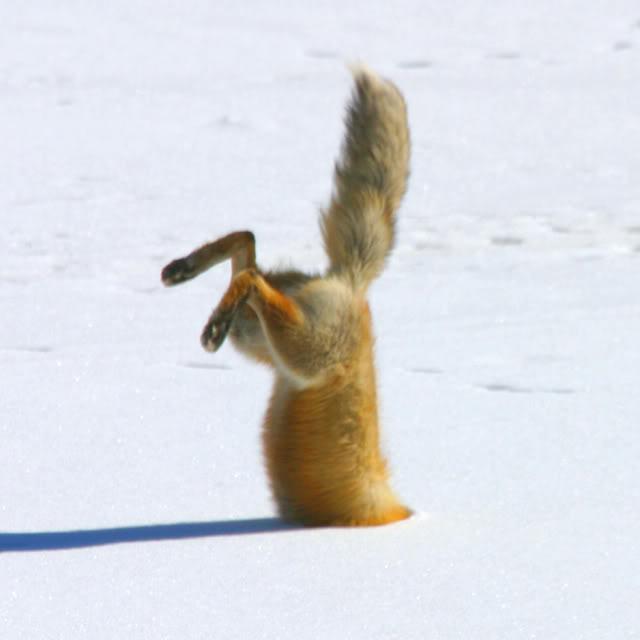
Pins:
<point x="178" y="271"/>
<point x="215" y="331"/>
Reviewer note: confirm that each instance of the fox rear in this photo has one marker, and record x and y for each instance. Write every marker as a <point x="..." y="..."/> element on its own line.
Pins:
<point x="321" y="430"/>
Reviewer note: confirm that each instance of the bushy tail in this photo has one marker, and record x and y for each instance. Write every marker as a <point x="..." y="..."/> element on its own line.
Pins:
<point x="369" y="182"/>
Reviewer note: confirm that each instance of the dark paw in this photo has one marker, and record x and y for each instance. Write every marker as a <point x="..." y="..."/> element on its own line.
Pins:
<point x="215" y="331"/>
<point x="178" y="271"/>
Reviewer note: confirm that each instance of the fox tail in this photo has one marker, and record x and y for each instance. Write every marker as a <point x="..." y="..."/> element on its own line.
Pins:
<point x="370" y="180"/>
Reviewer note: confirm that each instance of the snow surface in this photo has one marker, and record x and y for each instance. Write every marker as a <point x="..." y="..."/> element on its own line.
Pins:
<point x="133" y="502"/>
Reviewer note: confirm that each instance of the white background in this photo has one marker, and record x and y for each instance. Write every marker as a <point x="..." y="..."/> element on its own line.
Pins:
<point x="507" y="320"/>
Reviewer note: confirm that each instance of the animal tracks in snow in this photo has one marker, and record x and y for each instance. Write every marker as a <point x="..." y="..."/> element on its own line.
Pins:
<point x="564" y="230"/>
<point x="204" y="365"/>
<point x="505" y="387"/>
<point x="415" y="64"/>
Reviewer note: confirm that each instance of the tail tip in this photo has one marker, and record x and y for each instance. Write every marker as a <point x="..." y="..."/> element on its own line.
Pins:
<point x="362" y="72"/>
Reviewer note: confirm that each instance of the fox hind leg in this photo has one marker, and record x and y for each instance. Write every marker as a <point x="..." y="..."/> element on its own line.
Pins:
<point x="219" y="323"/>
<point x="277" y="311"/>
<point x="239" y="247"/>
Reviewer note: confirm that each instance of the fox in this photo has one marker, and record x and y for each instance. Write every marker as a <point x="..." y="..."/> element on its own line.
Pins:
<point x="320" y="435"/>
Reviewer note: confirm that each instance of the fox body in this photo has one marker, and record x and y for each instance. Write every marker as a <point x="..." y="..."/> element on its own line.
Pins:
<point x="321" y="433"/>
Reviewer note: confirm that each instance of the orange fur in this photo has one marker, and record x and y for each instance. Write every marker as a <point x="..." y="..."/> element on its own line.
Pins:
<point x="322" y="450"/>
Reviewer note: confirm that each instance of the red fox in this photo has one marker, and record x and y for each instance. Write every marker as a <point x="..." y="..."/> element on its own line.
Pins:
<point x="320" y="436"/>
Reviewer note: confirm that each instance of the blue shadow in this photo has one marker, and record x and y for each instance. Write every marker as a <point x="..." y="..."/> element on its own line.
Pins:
<point x="60" y="540"/>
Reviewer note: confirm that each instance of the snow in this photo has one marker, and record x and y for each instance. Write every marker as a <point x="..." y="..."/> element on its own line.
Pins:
<point x="133" y="502"/>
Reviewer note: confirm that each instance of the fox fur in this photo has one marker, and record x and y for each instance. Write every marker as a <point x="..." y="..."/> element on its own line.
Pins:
<point x="321" y="432"/>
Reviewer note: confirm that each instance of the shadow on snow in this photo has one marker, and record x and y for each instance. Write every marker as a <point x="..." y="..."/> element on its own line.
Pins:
<point x="60" y="540"/>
